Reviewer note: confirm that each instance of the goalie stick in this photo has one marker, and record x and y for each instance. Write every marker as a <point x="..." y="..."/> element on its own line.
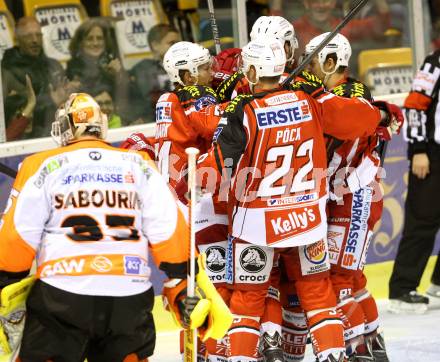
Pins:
<point x="327" y="39"/>
<point x="190" y="346"/>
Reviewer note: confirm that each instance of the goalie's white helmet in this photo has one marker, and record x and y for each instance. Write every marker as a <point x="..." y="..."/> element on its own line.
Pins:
<point x="339" y="45"/>
<point x="276" y="27"/>
<point x="184" y="55"/>
<point x="78" y="115"/>
<point x="266" y="55"/>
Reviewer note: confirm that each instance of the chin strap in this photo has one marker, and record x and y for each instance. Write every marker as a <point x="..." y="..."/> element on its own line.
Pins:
<point x="327" y="74"/>
<point x="252" y="84"/>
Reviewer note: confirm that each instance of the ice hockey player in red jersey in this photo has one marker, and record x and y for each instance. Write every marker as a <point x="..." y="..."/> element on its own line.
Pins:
<point x="274" y="27"/>
<point x="188" y="117"/>
<point x="354" y="207"/>
<point x="270" y="147"/>
<point x="189" y="67"/>
<point x="90" y="214"/>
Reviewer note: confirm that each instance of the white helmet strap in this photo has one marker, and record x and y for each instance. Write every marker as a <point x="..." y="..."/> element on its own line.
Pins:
<point x="327" y="74"/>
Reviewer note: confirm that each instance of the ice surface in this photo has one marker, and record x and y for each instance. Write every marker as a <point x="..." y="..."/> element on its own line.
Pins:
<point x="409" y="338"/>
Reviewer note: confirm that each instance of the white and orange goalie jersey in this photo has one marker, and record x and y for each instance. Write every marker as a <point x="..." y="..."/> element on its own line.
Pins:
<point x="89" y="213"/>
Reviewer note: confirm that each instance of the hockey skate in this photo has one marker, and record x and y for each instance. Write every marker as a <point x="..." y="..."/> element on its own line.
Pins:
<point x="271" y="347"/>
<point x="434" y="291"/>
<point x="377" y="345"/>
<point x="332" y="358"/>
<point x="411" y="302"/>
<point x="365" y="356"/>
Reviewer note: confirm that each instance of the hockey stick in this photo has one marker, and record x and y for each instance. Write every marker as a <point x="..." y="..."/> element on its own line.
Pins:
<point x="214" y="27"/>
<point x="8" y="171"/>
<point x="190" y="348"/>
<point x="327" y="39"/>
<point x="383" y="151"/>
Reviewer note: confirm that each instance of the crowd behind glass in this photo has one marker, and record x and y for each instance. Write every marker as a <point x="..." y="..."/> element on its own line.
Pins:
<point x="35" y="84"/>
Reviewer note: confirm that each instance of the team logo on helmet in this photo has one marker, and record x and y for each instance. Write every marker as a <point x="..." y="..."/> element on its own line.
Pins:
<point x="253" y="259"/>
<point x="316" y="252"/>
<point x="216" y="259"/>
<point x="95" y="155"/>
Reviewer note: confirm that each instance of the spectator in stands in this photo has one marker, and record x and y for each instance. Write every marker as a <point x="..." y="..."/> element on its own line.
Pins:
<point x="149" y="79"/>
<point x="18" y="125"/>
<point x="27" y="59"/>
<point x="105" y="101"/>
<point x="320" y="18"/>
<point x="95" y="61"/>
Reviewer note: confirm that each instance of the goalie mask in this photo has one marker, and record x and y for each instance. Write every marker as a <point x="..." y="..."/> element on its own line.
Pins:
<point x="275" y="27"/>
<point x="185" y="55"/>
<point x="79" y="115"/>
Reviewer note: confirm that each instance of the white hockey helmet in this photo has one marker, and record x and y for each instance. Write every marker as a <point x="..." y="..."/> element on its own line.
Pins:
<point x="266" y="55"/>
<point x="184" y="55"/>
<point x="276" y="27"/>
<point x="79" y="114"/>
<point x="339" y="45"/>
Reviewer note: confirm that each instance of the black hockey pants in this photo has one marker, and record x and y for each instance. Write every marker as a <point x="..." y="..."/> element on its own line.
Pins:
<point x="66" y="327"/>
<point x="422" y="221"/>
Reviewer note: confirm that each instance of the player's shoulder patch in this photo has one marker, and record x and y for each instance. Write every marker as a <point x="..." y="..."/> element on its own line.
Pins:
<point x="238" y="102"/>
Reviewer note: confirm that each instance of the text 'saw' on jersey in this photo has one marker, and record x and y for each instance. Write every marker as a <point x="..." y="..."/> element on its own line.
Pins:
<point x="271" y="147"/>
<point x="175" y="131"/>
<point x="89" y="213"/>
<point x="422" y="107"/>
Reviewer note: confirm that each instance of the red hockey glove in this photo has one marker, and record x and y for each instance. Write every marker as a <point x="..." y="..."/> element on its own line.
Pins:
<point x="225" y="64"/>
<point x="138" y="142"/>
<point x="391" y="123"/>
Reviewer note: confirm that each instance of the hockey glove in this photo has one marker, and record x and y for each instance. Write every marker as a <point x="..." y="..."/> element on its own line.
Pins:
<point x="392" y="120"/>
<point x="224" y="65"/>
<point x="138" y="142"/>
<point x="12" y="314"/>
<point x="206" y="311"/>
<point x="309" y="84"/>
<point x="216" y="323"/>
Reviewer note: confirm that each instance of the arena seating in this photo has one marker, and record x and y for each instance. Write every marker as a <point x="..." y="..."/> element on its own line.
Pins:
<point x="133" y="21"/>
<point x="386" y="71"/>
<point x="7" y="28"/>
<point x="59" y="20"/>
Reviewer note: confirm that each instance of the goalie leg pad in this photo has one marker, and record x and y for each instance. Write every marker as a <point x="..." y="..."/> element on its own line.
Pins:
<point x="219" y="316"/>
<point x="12" y="314"/>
